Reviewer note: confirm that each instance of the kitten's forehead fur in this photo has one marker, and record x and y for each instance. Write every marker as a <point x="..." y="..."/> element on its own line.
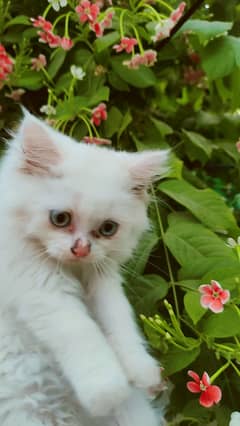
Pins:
<point x="47" y="170"/>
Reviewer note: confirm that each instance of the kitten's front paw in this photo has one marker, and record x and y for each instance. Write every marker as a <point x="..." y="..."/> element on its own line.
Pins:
<point x="107" y="395"/>
<point x="145" y="373"/>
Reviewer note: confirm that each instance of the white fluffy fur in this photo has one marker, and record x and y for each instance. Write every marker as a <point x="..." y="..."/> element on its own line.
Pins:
<point x="70" y="352"/>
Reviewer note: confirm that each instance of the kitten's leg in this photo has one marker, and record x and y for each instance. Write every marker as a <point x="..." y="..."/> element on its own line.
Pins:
<point x="62" y="323"/>
<point x="136" y="411"/>
<point x="23" y="417"/>
<point x="114" y="314"/>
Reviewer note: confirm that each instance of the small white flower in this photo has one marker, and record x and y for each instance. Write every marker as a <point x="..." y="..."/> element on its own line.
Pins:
<point x="48" y="110"/>
<point x="56" y="4"/>
<point x="235" y="419"/>
<point x="233" y="243"/>
<point x="77" y="72"/>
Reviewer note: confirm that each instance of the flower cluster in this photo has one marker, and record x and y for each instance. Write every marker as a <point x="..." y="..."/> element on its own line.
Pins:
<point x="164" y="28"/>
<point x="213" y="296"/>
<point x="6" y="64"/>
<point x="210" y="394"/>
<point x="99" y="114"/>
<point x="126" y="44"/>
<point x="89" y="12"/>
<point x="148" y="58"/>
<point x="47" y="36"/>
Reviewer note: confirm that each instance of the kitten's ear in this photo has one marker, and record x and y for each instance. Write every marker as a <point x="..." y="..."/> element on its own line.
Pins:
<point x="39" y="151"/>
<point x="146" y="167"/>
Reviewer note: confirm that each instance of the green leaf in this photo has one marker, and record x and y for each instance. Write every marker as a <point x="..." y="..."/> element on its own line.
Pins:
<point x="197" y="146"/>
<point x="137" y="264"/>
<point x="219" y="57"/>
<point x="113" y="122"/>
<point x="175" y="169"/>
<point x="57" y="60"/>
<point x="163" y="128"/>
<point x="205" y="204"/>
<point x="106" y="41"/>
<point x="193" y="307"/>
<point x="225" y="324"/>
<point x="127" y="119"/>
<point x="206" y="30"/>
<point x="141" y="78"/>
<point x="18" y="20"/>
<point x="177" y="359"/>
<point x="30" y="80"/>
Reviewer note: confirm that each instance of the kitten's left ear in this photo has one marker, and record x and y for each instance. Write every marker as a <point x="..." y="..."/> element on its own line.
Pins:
<point x="146" y="167"/>
<point x="40" y="153"/>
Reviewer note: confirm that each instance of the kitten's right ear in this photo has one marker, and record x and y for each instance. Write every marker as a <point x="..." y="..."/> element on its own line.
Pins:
<point x="39" y="151"/>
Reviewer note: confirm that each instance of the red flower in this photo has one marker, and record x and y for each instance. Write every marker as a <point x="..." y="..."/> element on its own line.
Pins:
<point x="97" y="28"/>
<point x="126" y="44"/>
<point x="99" y="114"/>
<point x="41" y="22"/>
<point x="210" y="394"/>
<point x="6" y="63"/>
<point x="177" y="14"/>
<point x="66" y="43"/>
<point x="49" y="38"/>
<point x="87" y="11"/>
<point x="213" y="296"/>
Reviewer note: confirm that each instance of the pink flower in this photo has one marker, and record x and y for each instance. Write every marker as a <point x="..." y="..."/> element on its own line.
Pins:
<point x="6" y="63"/>
<point x="66" y="43"/>
<point x="87" y="11"/>
<point x="41" y="22"/>
<point x="39" y="62"/>
<point x="163" y="29"/>
<point x="210" y="394"/>
<point x="213" y="296"/>
<point x="99" y="114"/>
<point x="49" y="38"/>
<point x="177" y="14"/>
<point x="148" y="58"/>
<point x="238" y="145"/>
<point x="126" y="44"/>
<point x="97" y="141"/>
<point x="97" y="28"/>
<point x="107" y="21"/>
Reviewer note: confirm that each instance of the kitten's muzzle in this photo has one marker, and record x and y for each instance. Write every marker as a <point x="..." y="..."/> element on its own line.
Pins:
<point x="79" y="249"/>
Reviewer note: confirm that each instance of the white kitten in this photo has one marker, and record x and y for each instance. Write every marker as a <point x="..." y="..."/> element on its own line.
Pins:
<point x="70" y="351"/>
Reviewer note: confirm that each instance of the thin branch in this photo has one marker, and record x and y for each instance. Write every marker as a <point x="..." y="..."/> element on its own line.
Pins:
<point x="180" y="23"/>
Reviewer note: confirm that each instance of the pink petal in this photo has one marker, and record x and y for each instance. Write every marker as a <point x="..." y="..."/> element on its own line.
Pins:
<point x="216" y="306"/>
<point x="214" y="393"/>
<point x="194" y="376"/>
<point x="206" y="379"/>
<point x="193" y="387"/>
<point x="205" y="288"/>
<point x="215" y="285"/>
<point x="205" y="401"/>
<point x="225" y="296"/>
<point x="206" y="301"/>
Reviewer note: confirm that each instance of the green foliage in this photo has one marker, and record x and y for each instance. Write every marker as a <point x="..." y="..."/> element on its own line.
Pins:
<point x="188" y="101"/>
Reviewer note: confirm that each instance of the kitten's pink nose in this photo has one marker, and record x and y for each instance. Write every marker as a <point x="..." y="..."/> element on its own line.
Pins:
<point x="79" y="249"/>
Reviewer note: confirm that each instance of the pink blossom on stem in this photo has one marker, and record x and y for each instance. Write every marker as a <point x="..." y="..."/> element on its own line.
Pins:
<point x="49" y="38"/>
<point x="6" y="64"/>
<point x="213" y="296"/>
<point x="87" y="11"/>
<point x="42" y="23"/>
<point x="39" y="62"/>
<point x="66" y="43"/>
<point x="99" y="114"/>
<point x="148" y="58"/>
<point x="127" y="44"/>
<point x="97" y="28"/>
<point x="210" y="394"/>
<point x="16" y="95"/>
<point x="107" y="21"/>
<point x="163" y="29"/>
<point x="97" y="141"/>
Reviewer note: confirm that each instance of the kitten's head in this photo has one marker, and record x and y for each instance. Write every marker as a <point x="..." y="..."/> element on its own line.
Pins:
<point x="78" y="202"/>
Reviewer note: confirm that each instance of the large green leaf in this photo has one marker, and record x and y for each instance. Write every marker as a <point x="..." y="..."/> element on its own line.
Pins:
<point x="225" y="324"/>
<point x="205" y="204"/>
<point x="177" y="359"/>
<point x="57" y="60"/>
<point x="106" y="41"/>
<point x="138" y="262"/>
<point x="220" y="57"/>
<point x="193" y="307"/>
<point x="197" y="146"/>
<point x="141" y="78"/>
<point x="206" y="30"/>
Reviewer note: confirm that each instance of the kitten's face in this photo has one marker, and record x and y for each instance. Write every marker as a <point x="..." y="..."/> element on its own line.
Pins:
<point x="79" y="203"/>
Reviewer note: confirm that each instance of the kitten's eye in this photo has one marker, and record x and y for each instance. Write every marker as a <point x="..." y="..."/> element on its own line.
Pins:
<point x="108" y="228"/>
<point x="60" y="219"/>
